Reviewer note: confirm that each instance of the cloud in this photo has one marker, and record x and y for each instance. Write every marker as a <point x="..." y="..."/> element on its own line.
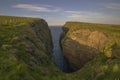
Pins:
<point x="87" y="16"/>
<point x="83" y="14"/>
<point x="113" y="6"/>
<point x="42" y="8"/>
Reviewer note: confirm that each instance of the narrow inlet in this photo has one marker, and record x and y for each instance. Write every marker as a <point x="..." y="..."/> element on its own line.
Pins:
<point x="57" y="52"/>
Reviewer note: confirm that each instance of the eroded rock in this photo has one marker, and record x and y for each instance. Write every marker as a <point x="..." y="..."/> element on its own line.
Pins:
<point x="82" y="46"/>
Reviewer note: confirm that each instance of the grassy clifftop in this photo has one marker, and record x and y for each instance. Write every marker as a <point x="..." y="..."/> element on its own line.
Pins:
<point x="92" y="48"/>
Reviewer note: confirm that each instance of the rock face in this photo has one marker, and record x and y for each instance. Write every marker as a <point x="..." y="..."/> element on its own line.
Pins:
<point x="43" y="33"/>
<point x="83" y="45"/>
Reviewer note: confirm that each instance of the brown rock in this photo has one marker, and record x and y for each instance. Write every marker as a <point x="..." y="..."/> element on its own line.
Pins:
<point x="82" y="45"/>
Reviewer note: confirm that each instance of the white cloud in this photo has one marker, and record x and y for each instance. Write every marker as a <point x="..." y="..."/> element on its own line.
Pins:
<point x="113" y="6"/>
<point x="83" y="15"/>
<point x="30" y="7"/>
<point x="87" y="16"/>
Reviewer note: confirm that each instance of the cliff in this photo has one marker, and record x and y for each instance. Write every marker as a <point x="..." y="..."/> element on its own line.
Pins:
<point x="92" y="48"/>
<point x="25" y="49"/>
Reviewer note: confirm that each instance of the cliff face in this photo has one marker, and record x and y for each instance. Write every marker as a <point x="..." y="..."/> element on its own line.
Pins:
<point x="88" y="46"/>
<point x="83" y="45"/>
<point x="43" y="34"/>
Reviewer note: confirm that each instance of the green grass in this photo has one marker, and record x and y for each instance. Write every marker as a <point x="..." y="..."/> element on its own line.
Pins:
<point x="14" y="20"/>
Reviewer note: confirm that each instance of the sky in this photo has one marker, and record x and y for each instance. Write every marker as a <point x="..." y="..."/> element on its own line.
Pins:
<point x="57" y="12"/>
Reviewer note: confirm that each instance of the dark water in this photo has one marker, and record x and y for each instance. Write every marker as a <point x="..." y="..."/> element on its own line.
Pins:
<point x="57" y="53"/>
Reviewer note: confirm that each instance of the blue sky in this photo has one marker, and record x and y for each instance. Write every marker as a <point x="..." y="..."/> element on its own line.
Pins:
<point x="57" y="12"/>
